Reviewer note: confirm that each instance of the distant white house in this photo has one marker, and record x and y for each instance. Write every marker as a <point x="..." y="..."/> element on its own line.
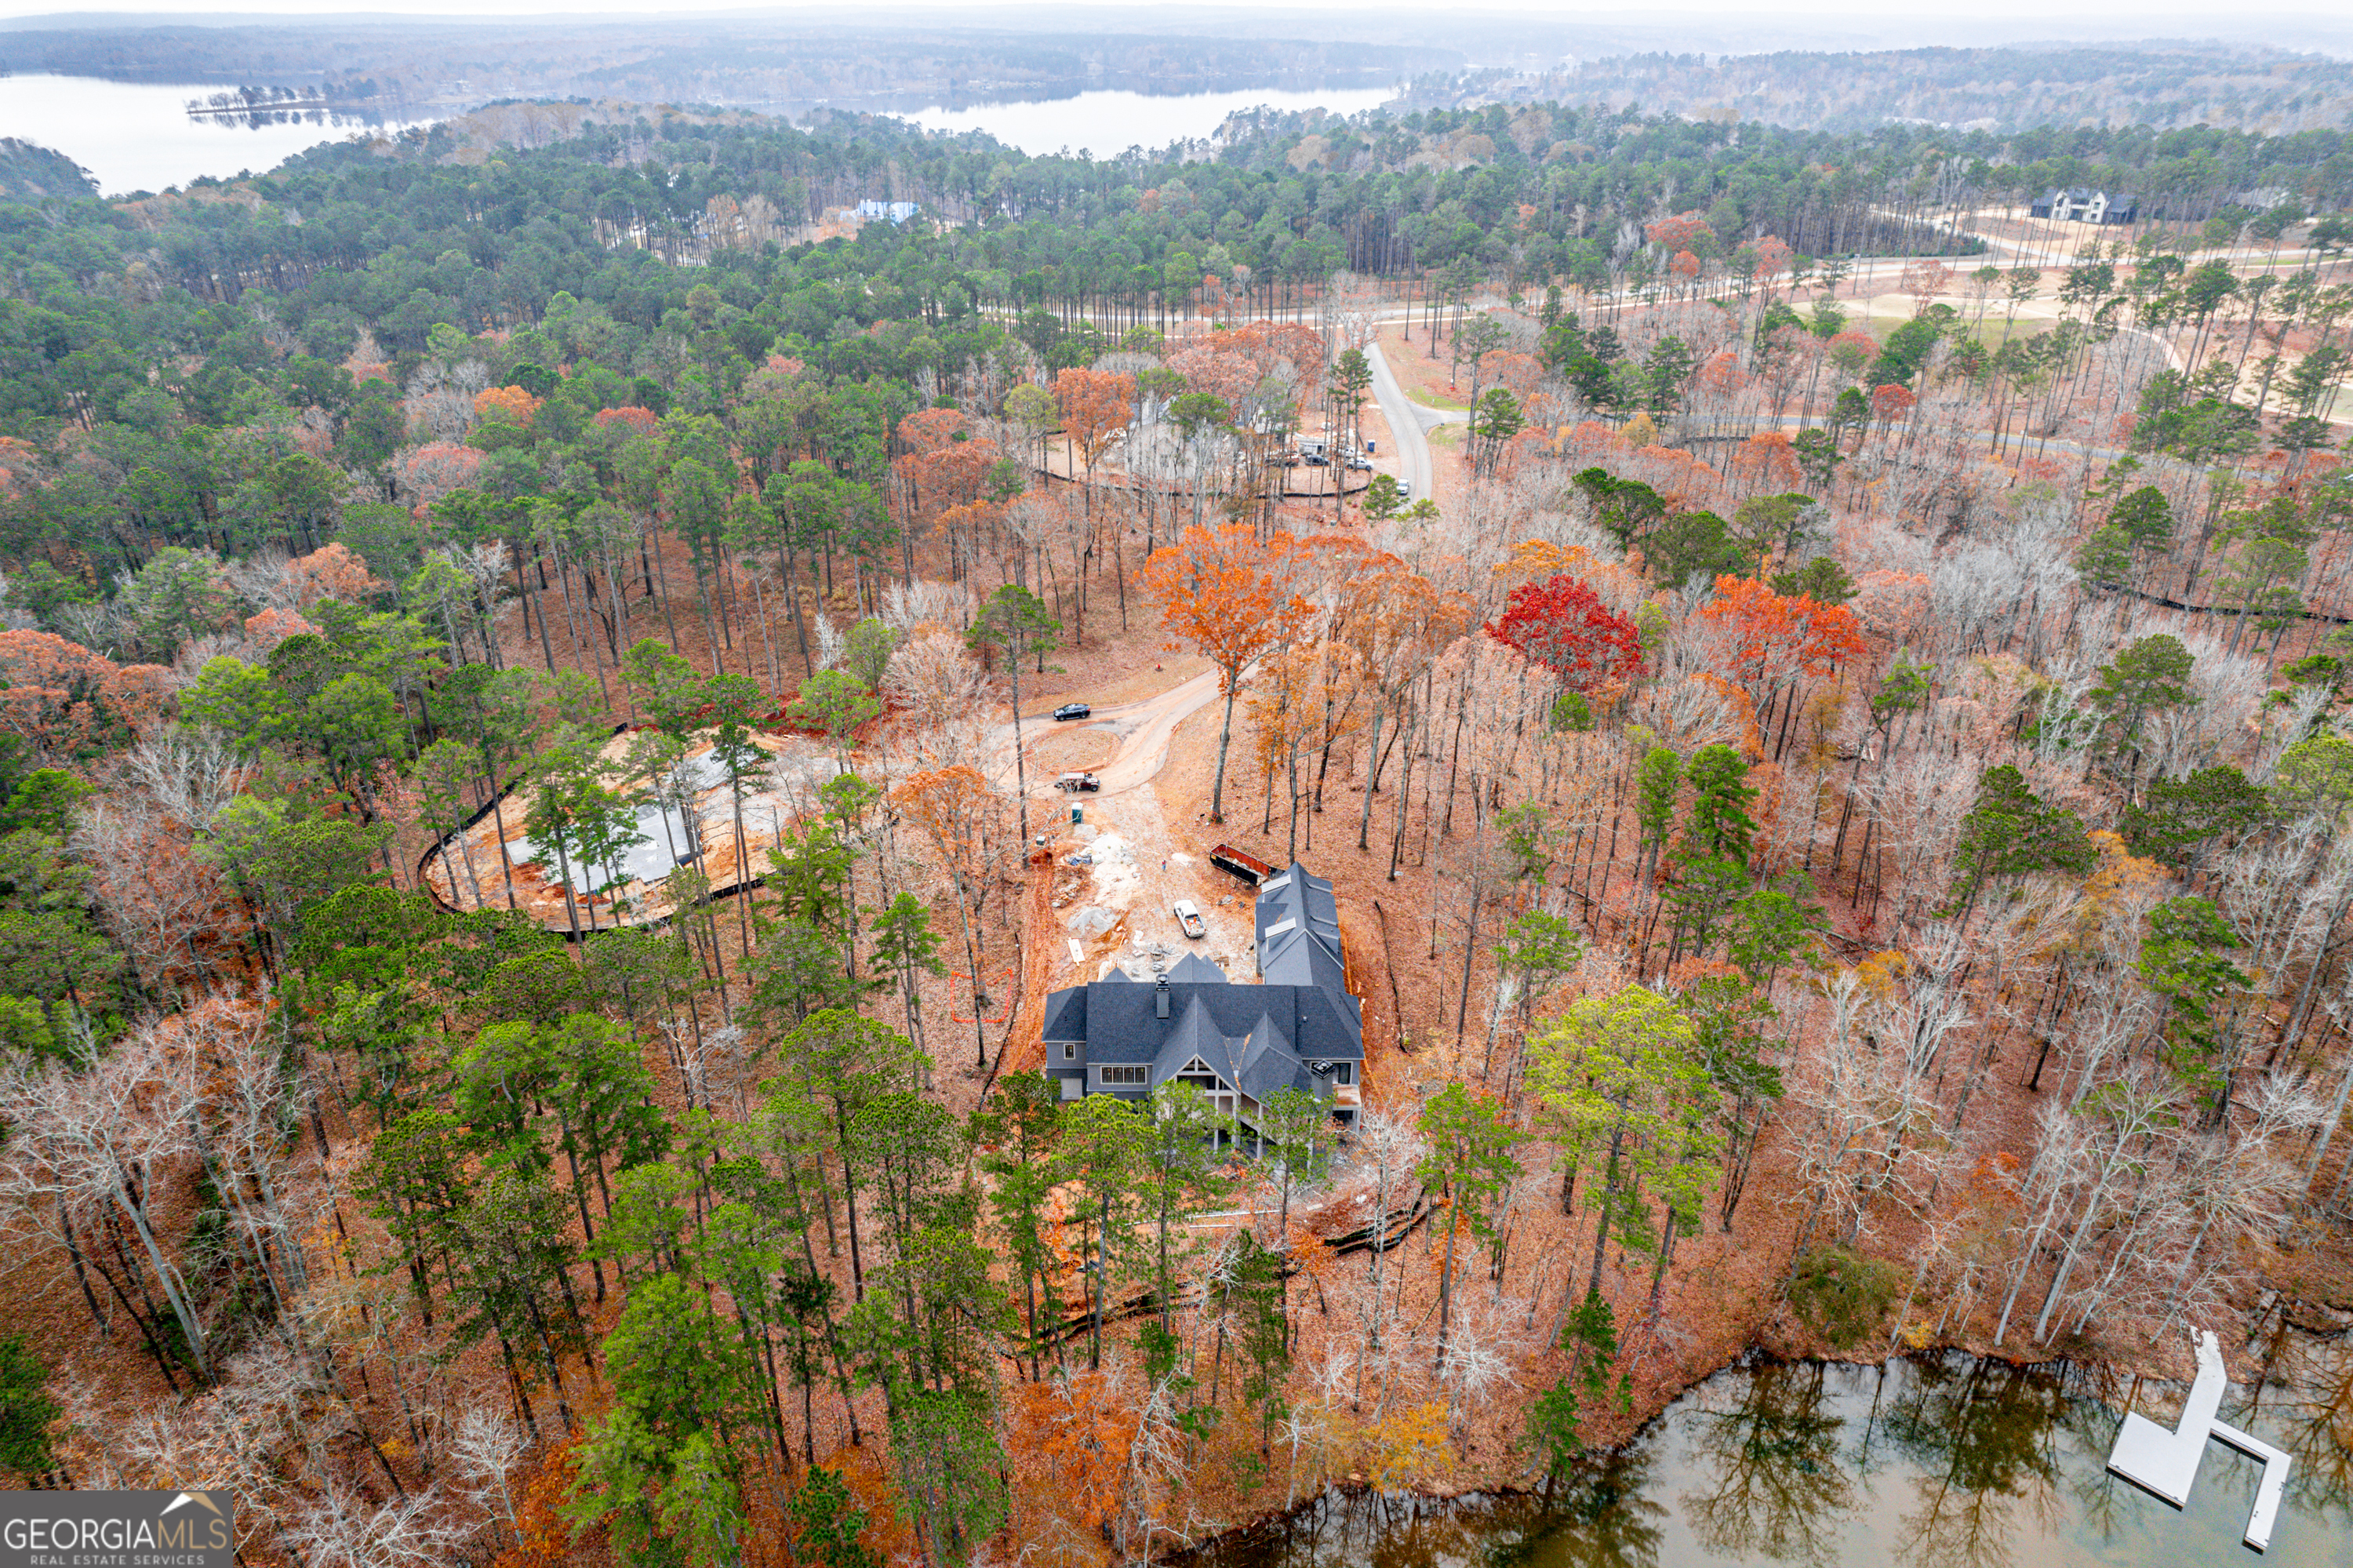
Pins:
<point x="893" y="211"/>
<point x="2081" y="206"/>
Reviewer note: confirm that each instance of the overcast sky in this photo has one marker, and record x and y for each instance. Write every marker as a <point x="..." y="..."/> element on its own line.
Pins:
<point x="2081" y="14"/>
<point x="1741" y="24"/>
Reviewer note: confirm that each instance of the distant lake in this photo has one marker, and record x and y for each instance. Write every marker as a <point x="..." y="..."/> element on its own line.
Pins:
<point x="135" y="136"/>
<point x="1109" y="123"/>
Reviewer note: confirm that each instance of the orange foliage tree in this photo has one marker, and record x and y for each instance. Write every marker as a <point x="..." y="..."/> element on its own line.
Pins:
<point x="1766" y="464"/>
<point x="423" y="475"/>
<point x="630" y="418"/>
<point x="1230" y="597"/>
<point x="888" y="1536"/>
<point x="1891" y="403"/>
<point x="1892" y="604"/>
<point x="1222" y="374"/>
<point x="1075" y="1432"/>
<point x="169" y="909"/>
<point x="1523" y="373"/>
<point x="1095" y="408"/>
<point x="61" y="698"/>
<point x="510" y="404"/>
<point x="1850" y="350"/>
<point x="953" y="474"/>
<point x="1722" y="374"/>
<point x="1270" y="343"/>
<point x="543" y="1533"/>
<point x="929" y="429"/>
<point x="265" y="631"/>
<point x="1769" y="257"/>
<point x="332" y="571"/>
<point x="1764" y="640"/>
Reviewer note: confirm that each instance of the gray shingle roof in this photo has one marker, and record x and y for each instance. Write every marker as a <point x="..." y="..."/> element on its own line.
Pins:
<point x="1122" y="1024"/>
<point x="1256" y="1038"/>
<point x="1295" y="899"/>
<point x="1066" y="1014"/>
<point x="1195" y="968"/>
<point x="1301" y="957"/>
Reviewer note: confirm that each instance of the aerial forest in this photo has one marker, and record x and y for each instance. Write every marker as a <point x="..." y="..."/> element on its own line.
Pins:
<point x="1825" y="705"/>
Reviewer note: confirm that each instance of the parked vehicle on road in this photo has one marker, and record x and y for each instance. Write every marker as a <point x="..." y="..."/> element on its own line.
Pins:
<point x="1189" y="919"/>
<point x="1072" y="711"/>
<point x="1086" y="782"/>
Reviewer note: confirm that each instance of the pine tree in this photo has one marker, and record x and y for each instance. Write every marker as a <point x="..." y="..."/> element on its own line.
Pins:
<point x="1020" y="1133"/>
<point x="1471" y="1140"/>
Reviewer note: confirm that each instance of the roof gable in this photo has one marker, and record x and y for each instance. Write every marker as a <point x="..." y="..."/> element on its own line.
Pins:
<point x="1196" y="969"/>
<point x="1257" y="1038"/>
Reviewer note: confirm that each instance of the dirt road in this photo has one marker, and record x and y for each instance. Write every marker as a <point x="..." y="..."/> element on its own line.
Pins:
<point x="1142" y="729"/>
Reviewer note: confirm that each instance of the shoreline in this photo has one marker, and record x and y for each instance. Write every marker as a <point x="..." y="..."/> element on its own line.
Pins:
<point x="2118" y="1371"/>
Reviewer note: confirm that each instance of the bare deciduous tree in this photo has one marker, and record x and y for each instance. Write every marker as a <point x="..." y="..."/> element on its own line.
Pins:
<point x="486" y="1447"/>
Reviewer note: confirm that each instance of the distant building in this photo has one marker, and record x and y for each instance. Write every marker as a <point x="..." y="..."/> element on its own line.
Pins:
<point x="2080" y="206"/>
<point x="891" y="211"/>
<point x="1237" y="1043"/>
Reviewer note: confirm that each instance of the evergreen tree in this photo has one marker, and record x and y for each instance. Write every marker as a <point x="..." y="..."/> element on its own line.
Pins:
<point x="1471" y="1143"/>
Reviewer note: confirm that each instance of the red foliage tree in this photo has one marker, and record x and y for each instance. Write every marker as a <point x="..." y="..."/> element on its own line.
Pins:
<point x="1678" y="232"/>
<point x="1769" y="258"/>
<point x="1562" y="624"/>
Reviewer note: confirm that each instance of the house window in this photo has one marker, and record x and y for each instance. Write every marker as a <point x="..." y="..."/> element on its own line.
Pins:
<point x="1069" y="1049"/>
<point x="1343" y="1072"/>
<point x="1135" y="1077"/>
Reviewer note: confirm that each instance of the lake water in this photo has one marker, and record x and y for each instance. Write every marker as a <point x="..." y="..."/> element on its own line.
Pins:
<point x="1930" y="1462"/>
<point x="134" y="136"/>
<point x="1108" y="123"/>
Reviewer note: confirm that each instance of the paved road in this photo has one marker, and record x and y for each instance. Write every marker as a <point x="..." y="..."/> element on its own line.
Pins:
<point x="1410" y="424"/>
